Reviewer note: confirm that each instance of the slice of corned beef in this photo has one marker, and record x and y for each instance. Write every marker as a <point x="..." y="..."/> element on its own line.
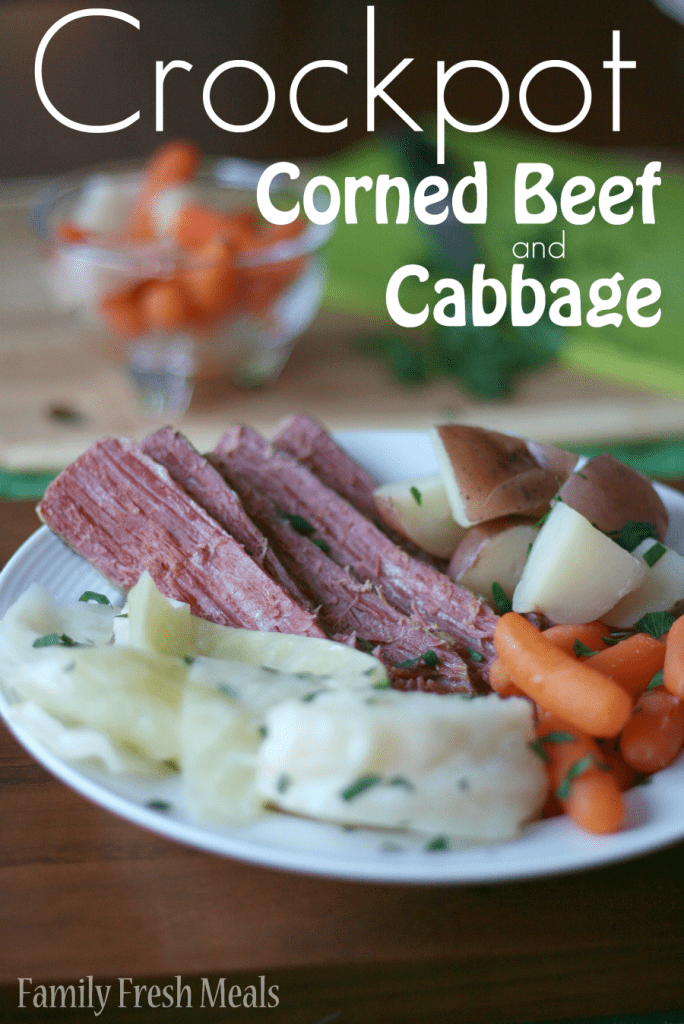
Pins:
<point x="306" y="440"/>
<point x="202" y="482"/>
<point x="347" y="606"/>
<point x="413" y="587"/>
<point x="124" y="514"/>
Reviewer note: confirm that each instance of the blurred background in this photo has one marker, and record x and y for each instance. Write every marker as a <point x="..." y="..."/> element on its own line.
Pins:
<point x="352" y="367"/>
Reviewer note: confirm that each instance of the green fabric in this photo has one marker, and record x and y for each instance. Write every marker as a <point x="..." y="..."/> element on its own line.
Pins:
<point x="361" y="257"/>
<point x="23" y="486"/>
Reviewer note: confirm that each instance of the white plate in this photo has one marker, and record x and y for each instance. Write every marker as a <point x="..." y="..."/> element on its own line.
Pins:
<point x="655" y="813"/>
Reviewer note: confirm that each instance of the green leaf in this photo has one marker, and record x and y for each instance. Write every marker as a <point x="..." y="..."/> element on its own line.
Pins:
<point x="538" y="747"/>
<point x="654" y="554"/>
<point x="656" y="681"/>
<point x="633" y="533"/>
<point x="55" y="640"/>
<point x="284" y="782"/>
<point x="320" y="543"/>
<point x="159" y="805"/>
<point x="438" y="844"/>
<point x="299" y="523"/>
<point x="557" y="736"/>
<point x="429" y="658"/>
<point x="655" y="623"/>
<point x="417" y="496"/>
<point x="400" y="780"/>
<point x="502" y="602"/>
<point x="581" y="650"/>
<point x="475" y="655"/>
<point x="361" y="784"/>
<point x="576" y="769"/>
<point x="91" y="595"/>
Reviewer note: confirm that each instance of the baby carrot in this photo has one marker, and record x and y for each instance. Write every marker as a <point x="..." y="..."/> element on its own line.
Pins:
<point x="211" y="284"/>
<point x="166" y="305"/>
<point x="589" y="634"/>
<point x="123" y="313"/>
<point x="501" y="682"/>
<point x="580" y="778"/>
<point x="558" y="682"/>
<point x="171" y="164"/>
<point x="673" y="672"/>
<point x="632" y="662"/>
<point x="654" y="734"/>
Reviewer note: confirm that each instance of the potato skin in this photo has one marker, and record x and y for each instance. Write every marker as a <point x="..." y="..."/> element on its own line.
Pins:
<point x="610" y="494"/>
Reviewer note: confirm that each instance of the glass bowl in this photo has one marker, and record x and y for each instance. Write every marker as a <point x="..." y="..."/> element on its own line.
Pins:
<point x="173" y="311"/>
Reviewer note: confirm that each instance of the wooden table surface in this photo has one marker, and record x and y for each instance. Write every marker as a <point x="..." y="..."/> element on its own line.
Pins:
<point x="83" y="893"/>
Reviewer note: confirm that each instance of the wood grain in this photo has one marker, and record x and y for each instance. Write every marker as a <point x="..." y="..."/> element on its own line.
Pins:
<point x="85" y="893"/>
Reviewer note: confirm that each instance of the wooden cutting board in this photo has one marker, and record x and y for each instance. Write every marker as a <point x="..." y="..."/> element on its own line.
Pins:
<point x="56" y="397"/>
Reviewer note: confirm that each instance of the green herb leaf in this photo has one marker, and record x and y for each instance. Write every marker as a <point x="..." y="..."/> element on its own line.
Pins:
<point x="417" y="496"/>
<point x="578" y="768"/>
<point x="188" y="659"/>
<point x="429" y="658"/>
<point x="55" y="640"/>
<point x="283" y="783"/>
<point x="382" y="684"/>
<point x="654" y="554"/>
<point x="298" y="523"/>
<point x="656" y="681"/>
<point x="610" y="641"/>
<point x="438" y="844"/>
<point x="320" y="543"/>
<point x="159" y="805"/>
<point x="308" y="697"/>
<point x="475" y="655"/>
<point x="633" y="533"/>
<point x="655" y="623"/>
<point x="91" y="595"/>
<point x="557" y="736"/>
<point x="400" y="780"/>
<point x="581" y="650"/>
<point x="361" y="784"/>
<point x="538" y="747"/>
<point x="502" y="602"/>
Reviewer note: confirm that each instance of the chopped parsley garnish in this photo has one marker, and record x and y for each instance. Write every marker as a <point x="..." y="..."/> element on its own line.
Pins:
<point x="417" y="496"/>
<point x="614" y="638"/>
<point x="475" y="655"/>
<point x="262" y="730"/>
<point x="655" y="623"/>
<point x="502" y="602"/>
<point x="654" y="554"/>
<point x="283" y="783"/>
<point x="159" y="805"/>
<point x="383" y="684"/>
<point x="188" y="659"/>
<point x="538" y="747"/>
<point x="557" y="736"/>
<point x="388" y="846"/>
<point x="633" y="533"/>
<point x="576" y="769"/>
<point x="55" y="639"/>
<point x="400" y="780"/>
<point x="656" y="681"/>
<point x="361" y="784"/>
<point x="437" y="844"/>
<point x="582" y="476"/>
<point x="227" y="690"/>
<point x="429" y="658"/>
<point x="299" y="523"/>
<point x="540" y="522"/>
<point x="581" y="650"/>
<point x="308" y="697"/>
<point x="325" y="547"/>
<point x="91" y="595"/>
